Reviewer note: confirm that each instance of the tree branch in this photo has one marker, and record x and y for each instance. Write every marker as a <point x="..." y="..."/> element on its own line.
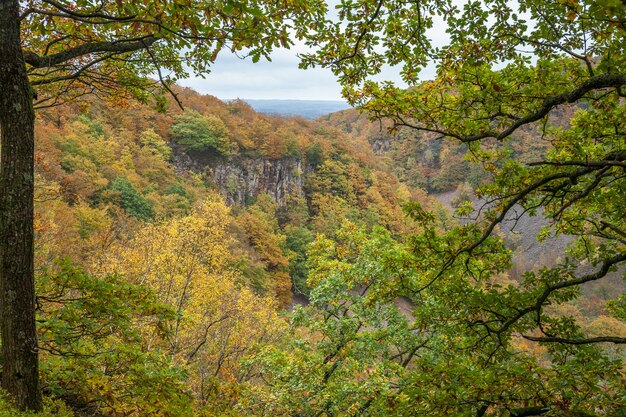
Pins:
<point x="116" y="47"/>
<point x="73" y="75"/>
<point x="600" y="339"/>
<point x="594" y="83"/>
<point x="529" y="411"/>
<point x="604" y="269"/>
<point x="597" y="82"/>
<point x="162" y="80"/>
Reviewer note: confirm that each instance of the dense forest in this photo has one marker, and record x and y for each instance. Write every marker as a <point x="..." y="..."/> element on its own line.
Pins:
<point x="149" y="284"/>
<point x="456" y="247"/>
<point x="170" y="246"/>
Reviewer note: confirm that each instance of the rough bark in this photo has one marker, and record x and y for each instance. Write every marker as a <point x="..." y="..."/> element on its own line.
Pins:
<point x="17" y="295"/>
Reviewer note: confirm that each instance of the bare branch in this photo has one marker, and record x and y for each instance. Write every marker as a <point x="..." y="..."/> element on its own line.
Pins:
<point x="162" y="80"/>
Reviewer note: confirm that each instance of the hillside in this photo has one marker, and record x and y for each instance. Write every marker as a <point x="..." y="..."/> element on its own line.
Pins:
<point x="209" y="214"/>
<point x="425" y="161"/>
<point x="451" y="243"/>
<point x="207" y="222"/>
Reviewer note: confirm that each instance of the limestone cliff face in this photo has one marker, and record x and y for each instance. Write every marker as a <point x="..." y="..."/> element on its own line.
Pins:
<point x="241" y="178"/>
<point x="381" y="144"/>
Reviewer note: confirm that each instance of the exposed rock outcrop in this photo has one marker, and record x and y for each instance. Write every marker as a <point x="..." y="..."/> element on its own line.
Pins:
<point x="381" y="144"/>
<point x="241" y="178"/>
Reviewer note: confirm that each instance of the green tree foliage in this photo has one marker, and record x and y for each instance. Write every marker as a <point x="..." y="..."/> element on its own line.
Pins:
<point x="315" y="154"/>
<point x="131" y="200"/>
<point x="505" y="68"/>
<point x="318" y="371"/>
<point x="360" y="348"/>
<point x="195" y="132"/>
<point x="297" y="242"/>
<point x="93" y="355"/>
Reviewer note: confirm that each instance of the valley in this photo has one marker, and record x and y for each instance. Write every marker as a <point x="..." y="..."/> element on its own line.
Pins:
<point x="433" y="224"/>
<point x="250" y="197"/>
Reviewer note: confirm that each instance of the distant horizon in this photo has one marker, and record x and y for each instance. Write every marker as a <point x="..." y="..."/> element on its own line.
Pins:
<point x="307" y="108"/>
<point x="286" y="99"/>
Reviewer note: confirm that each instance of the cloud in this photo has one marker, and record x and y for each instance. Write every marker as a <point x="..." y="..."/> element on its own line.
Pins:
<point x="232" y="77"/>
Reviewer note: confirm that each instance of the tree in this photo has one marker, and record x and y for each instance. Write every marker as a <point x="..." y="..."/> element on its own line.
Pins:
<point x="553" y="69"/>
<point x="131" y="200"/>
<point x="90" y="336"/>
<point x="200" y="133"/>
<point x="153" y="141"/>
<point x="360" y="349"/>
<point x="186" y="263"/>
<point x="54" y="51"/>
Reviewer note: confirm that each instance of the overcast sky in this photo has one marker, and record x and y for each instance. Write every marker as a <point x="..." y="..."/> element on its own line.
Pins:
<point x="232" y="77"/>
<point x="281" y="78"/>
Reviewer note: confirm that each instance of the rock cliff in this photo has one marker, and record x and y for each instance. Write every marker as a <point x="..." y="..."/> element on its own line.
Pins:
<point x="242" y="178"/>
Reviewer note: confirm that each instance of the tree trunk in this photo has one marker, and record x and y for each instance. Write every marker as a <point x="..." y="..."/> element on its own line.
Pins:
<point x="20" y="374"/>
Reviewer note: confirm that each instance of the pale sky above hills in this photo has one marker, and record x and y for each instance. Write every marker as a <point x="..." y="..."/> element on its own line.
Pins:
<point x="281" y="78"/>
<point x="233" y="77"/>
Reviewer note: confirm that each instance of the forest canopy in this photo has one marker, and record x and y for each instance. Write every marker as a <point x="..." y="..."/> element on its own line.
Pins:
<point x="215" y="261"/>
